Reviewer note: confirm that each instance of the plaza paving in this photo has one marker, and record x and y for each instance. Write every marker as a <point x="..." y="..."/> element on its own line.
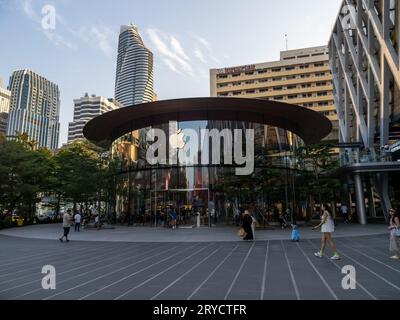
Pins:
<point x="199" y="264"/>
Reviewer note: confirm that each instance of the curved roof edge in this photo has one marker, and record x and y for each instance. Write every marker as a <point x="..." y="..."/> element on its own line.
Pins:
<point x="309" y="125"/>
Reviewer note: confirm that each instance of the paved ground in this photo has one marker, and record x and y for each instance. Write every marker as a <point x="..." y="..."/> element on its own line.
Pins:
<point x="148" y="234"/>
<point x="204" y="270"/>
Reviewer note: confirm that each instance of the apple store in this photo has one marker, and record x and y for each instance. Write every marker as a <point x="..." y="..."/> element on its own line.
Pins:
<point x="208" y="158"/>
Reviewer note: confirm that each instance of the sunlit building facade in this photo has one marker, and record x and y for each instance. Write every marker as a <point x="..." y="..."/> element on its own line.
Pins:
<point x="364" y="56"/>
<point x="34" y="108"/>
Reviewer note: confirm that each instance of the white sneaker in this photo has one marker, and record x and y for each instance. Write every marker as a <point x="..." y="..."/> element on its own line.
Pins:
<point x="335" y="257"/>
<point x="395" y="258"/>
<point x="318" y="254"/>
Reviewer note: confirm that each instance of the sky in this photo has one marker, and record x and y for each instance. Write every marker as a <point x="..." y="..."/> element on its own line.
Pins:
<point x="187" y="37"/>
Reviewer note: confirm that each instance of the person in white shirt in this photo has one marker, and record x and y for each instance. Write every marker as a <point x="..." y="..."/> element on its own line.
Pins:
<point x="77" y="219"/>
<point x="67" y="219"/>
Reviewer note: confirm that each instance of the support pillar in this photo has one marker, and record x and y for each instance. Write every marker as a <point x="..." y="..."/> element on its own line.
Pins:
<point x="382" y="185"/>
<point x="371" y="200"/>
<point x="360" y="200"/>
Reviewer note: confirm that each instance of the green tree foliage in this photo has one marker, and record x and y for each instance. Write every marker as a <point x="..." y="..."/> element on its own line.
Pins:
<point x="79" y="173"/>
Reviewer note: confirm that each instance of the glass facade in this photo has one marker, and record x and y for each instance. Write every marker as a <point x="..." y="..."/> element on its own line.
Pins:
<point x="213" y="191"/>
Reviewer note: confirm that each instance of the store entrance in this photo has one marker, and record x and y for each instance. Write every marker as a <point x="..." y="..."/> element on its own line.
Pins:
<point x="188" y="204"/>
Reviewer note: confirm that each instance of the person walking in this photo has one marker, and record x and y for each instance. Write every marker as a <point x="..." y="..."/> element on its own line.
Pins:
<point x="77" y="220"/>
<point x="345" y="213"/>
<point x="327" y="226"/>
<point x="282" y="221"/>
<point x="247" y="223"/>
<point x="173" y="216"/>
<point x="67" y="219"/>
<point x="394" y="228"/>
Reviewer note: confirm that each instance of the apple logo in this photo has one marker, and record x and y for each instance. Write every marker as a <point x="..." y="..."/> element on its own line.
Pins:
<point x="176" y="140"/>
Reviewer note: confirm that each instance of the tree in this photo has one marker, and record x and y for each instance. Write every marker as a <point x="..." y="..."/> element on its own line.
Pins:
<point x="24" y="173"/>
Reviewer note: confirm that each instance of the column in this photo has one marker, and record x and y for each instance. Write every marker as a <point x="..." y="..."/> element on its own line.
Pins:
<point x="360" y="201"/>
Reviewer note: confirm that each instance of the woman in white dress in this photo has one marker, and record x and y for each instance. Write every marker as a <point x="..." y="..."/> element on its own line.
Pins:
<point x="394" y="238"/>
<point x="327" y="226"/>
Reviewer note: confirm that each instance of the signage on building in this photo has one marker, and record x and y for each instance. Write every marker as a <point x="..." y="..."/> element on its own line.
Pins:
<point x="248" y="68"/>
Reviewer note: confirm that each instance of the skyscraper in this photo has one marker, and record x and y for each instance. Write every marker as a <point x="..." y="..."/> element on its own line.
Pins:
<point x="34" y="108"/>
<point x="134" y="75"/>
<point x="85" y="109"/>
<point x="5" y="96"/>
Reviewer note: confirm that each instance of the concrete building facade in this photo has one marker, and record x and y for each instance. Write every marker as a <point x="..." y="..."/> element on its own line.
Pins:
<point x="5" y="96"/>
<point x="301" y="77"/>
<point x="85" y="109"/>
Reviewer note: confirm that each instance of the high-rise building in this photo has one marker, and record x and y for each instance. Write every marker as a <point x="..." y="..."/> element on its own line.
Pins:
<point x="134" y="75"/>
<point x="364" y="56"/>
<point x="5" y="96"/>
<point x="34" y="108"/>
<point x="301" y="77"/>
<point x="85" y="109"/>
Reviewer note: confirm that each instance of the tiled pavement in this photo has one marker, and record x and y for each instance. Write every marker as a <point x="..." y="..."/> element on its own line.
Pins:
<point x="214" y="270"/>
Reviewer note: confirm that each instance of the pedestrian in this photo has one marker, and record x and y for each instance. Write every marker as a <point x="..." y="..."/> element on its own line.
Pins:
<point x="67" y="219"/>
<point x="247" y="223"/>
<point x="394" y="234"/>
<point x="345" y="213"/>
<point x="97" y="221"/>
<point x="295" y="236"/>
<point x="282" y="221"/>
<point x="237" y="216"/>
<point x="253" y="225"/>
<point x="77" y="220"/>
<point x="327" y="226"/>
<point x="173" y="216"/>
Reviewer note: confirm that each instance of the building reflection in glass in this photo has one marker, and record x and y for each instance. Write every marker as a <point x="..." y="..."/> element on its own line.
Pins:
<point x="146" y="193"/>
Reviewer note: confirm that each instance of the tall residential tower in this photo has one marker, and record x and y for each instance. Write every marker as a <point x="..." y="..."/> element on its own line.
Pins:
<point x="85" y="109"/>
<point x="34" y="108"/>
<point x="134" y="75"/>
<point x="5" y="96"/>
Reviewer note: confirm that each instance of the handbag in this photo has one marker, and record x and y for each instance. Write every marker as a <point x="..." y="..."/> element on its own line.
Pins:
<point x="242" y="233"/>
<point x="397" y="232"/>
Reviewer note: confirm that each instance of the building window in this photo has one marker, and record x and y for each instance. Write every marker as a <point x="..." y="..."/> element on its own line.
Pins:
<point x="276" y="70"/>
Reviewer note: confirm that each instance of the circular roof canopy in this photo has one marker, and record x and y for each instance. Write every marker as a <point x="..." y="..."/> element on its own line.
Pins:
<point x="309" y="125"/>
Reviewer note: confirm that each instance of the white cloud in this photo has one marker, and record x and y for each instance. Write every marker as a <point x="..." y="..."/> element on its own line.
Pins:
<point x="29" y="11"/>
<point x="102" y="37"/>
<point x="176" y="46"/>
<point x="58" y="40"/>
<point x="202" y="42"/>
<point x="199" y="55"/>
<point x="171" y="65"/>
<point x="174" y="54"/>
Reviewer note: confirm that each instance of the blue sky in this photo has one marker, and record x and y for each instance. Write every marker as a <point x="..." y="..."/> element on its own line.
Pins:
<point x="187" y="37"/>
